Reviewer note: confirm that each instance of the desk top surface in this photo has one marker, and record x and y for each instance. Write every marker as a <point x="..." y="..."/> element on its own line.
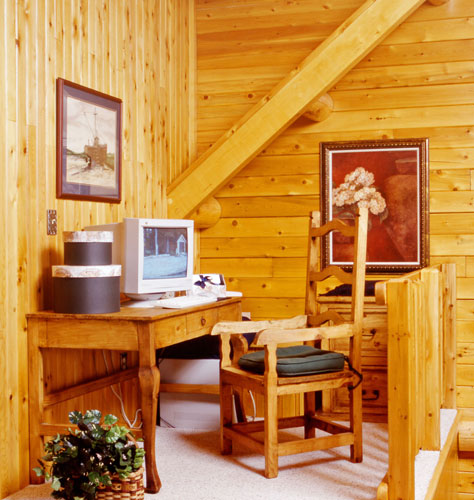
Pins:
<point x="135" y="313"/>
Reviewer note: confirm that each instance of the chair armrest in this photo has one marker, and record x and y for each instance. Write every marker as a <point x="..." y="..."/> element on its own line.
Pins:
<point x="282" y="336"/>
<point x="233" y="327"/>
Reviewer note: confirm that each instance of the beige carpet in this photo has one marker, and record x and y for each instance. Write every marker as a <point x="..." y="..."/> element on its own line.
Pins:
<point x="191" y="468"/>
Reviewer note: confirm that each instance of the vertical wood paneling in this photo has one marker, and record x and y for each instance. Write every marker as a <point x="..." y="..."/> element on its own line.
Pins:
<point x="181" y="79"/>
<point x="117" y="47"/>
<point x="10" y="402"/>
<point x="23" y="206"/>
<point x="4" y="416"/>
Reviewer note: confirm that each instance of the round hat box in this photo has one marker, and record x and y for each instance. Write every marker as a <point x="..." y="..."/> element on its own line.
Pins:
<point x="86" y="289"/>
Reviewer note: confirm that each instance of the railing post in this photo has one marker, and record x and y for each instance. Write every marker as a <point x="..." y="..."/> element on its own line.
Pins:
<point x="421" y="321"/>
<point x="401" y="389"/>
<point x="431" y="357"/>
<point x="449" y="334"/>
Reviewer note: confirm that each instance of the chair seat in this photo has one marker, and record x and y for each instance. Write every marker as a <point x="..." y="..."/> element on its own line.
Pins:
<point x="295" y="361"/>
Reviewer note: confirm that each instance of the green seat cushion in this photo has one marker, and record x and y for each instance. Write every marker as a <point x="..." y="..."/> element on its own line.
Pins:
<point x="295" y="361"/>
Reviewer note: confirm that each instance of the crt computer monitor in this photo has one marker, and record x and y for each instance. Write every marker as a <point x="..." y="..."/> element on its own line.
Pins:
<point x="156" y="255"/>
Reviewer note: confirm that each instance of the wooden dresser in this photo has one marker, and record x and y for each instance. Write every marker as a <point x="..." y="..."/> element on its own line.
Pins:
<point x="374" y="360"/>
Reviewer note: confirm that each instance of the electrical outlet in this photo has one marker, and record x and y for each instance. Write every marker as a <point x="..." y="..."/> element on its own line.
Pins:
<point x="123" y="360"/>
<point x="52" y="222"/>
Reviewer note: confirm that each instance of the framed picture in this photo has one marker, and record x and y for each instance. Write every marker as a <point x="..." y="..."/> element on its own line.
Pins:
<point x="88" y="144"/>
<point x="391" y="178"/>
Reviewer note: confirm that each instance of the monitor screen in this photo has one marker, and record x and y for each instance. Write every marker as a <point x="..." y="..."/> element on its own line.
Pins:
<point x="165" y="253"/>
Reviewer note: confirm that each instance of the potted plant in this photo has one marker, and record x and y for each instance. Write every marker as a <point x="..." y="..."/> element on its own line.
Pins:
<point x="86" y="460"/>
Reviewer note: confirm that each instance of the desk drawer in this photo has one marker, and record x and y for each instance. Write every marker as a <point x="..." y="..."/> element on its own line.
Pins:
<point x="374" y="348"/>
<point x="374" y="360"/>
<point x="193" y="324"/>
<point x="230" y="312"/>
<point x="179" y="329"/>
<point x="170" y="331"/>
<point x="374" y="395"/>
<point x="201" y="322"/>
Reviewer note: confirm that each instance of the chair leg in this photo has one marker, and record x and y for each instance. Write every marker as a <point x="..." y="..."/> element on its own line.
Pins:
<point x="271" y="433"/>
<point x="309" y="411"/>
<point x="239" y="405"/>
<point x="226" y="417"/>
<point x="355" y="397"/>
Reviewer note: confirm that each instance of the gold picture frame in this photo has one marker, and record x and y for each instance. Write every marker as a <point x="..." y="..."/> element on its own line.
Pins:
<point x="391" y="177"/>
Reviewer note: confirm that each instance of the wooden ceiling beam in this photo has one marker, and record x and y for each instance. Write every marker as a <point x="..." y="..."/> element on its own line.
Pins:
<point x="318" y="73"/>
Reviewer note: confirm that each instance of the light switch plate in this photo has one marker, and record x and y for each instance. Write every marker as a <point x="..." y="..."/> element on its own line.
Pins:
<point x="52" y="222"/>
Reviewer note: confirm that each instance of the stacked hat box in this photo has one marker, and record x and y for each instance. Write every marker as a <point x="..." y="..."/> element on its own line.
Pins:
<point x="88" y="282"/>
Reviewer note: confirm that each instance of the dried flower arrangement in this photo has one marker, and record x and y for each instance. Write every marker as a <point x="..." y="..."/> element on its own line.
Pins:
<point x="357" y="189"/>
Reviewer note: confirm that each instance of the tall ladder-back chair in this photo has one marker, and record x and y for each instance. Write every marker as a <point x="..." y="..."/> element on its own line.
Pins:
<point x="300" y="368"/>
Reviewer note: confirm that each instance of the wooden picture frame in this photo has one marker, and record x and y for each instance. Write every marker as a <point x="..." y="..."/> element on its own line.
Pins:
<point x="88" y="144"/>
<point x="391" y="176"/>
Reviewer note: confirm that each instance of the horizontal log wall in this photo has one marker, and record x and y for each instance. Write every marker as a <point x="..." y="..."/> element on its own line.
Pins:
<point x="419" y="82"/>
<point x="135" y="50"/>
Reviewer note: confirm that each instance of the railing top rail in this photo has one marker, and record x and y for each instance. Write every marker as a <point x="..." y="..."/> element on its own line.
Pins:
<point x="381" y="286"/>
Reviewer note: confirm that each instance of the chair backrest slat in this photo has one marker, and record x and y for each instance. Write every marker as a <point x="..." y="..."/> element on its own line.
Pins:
<point x="330" y="315"/>
<point x="360" y="256"/>
<point x="356" y="278"/>
<point x="333" y="225"/>
<point x="340" y="274"/>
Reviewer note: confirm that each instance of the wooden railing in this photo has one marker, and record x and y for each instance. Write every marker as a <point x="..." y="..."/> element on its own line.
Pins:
<point x="421" y="376"/>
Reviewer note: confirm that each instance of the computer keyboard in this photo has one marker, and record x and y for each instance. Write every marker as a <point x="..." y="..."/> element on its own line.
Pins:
<point x="185" y="301"/>
<point x="180" y="302"/>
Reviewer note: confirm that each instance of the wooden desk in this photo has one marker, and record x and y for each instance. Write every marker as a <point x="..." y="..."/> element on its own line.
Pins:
<point x="131" y="329"/>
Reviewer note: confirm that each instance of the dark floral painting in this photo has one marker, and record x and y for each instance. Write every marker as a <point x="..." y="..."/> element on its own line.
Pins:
<point x="390" y="178"/>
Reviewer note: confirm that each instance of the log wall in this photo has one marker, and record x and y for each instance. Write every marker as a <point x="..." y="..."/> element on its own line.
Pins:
<point x="419" y="82"/>
<point x="136" y="50"/>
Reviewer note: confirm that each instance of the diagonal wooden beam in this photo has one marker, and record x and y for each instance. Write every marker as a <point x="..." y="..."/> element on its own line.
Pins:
<point x="319" y="72"/>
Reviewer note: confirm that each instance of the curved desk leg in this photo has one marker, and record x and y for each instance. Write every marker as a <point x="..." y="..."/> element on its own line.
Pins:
<point x="149" y="379"/>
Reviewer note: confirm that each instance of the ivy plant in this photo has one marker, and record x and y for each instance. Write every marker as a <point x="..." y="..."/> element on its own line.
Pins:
<point x="78" y="462"/>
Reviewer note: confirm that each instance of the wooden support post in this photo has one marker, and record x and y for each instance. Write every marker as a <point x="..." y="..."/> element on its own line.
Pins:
<point x="449" y="334"/>
<point x="419" y="332"/>
<point x="432" y="359"/>
<point x="318" y="73"/>
<point x="401" y="390"/>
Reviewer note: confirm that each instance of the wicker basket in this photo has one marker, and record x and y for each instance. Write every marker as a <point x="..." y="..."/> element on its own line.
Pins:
<point x="131" y="488"/>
